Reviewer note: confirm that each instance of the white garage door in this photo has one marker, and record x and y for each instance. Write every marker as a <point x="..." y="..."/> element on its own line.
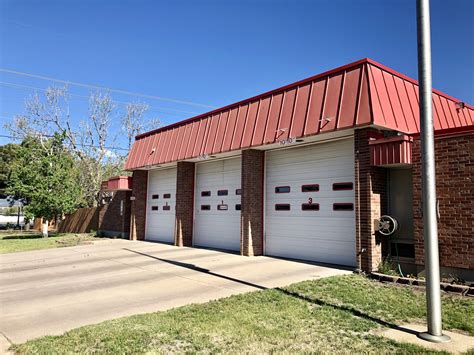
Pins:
<point x="161" y="205"/>
<point x="217" y="206"/>
<point x="310" y="203"/>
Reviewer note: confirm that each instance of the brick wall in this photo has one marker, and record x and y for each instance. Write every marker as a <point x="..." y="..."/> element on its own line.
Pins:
<point x="455" y="192"/>
<point x="371" y="202"/>
<point x="114" y="216"/>
<point x="138" y="205"/>
<point x="251" y="220"/>
<point x="184" y="204"/>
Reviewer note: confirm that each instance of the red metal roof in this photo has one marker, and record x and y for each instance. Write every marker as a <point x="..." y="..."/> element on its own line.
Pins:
<point x="394" y="99"/>
<point x="361" y="93"/>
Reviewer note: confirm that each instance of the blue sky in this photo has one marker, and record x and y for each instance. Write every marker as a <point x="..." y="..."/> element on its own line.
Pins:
<point x="218" y="52"/>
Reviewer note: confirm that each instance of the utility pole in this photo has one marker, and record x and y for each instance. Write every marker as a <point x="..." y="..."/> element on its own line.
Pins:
<point x="428" y="179"/>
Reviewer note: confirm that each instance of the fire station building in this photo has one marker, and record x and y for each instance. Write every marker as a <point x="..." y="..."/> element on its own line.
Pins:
<point x="313" y="171"/>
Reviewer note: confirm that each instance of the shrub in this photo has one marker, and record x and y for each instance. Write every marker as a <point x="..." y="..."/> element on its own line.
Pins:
<point x="386" y="267"/>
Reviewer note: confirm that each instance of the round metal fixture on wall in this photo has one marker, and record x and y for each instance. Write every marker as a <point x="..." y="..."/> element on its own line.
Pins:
<point x="387" y="225"/>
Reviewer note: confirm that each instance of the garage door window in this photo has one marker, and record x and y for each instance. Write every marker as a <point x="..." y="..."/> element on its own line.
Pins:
<point x="222" y="207"/>
<point x="310" y="206"/>
<point x="166" y="195"/>
<point x="154" y="208"/>
<point x="166" y="208"/>
<point x="222" y="192"/>
<point x="282" y="207"/>
<point x="205" y="193"/>
<point x="310" y="188"/>
<point x="205" y="207"/>
<point x="282" y="189"/>
<point x="238" y="191"/>
<point x="343" y="207"/>
<point x="238" y="207"/>
<point x="341" y="186"/>
<point x="155" y="197"/>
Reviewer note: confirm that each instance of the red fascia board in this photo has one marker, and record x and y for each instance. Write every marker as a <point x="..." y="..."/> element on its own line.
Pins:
<point x="413" y="81"/>
<point x="259" y="96"/>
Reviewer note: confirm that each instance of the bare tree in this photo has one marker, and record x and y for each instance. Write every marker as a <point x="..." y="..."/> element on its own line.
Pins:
<point x="88" y="141"/>
<point x="133" y="123"/>
<point x="42" y="117"/>
<point x="94" y="135"/>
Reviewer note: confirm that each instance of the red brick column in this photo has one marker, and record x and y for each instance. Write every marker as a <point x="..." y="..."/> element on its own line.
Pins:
<point x="454" y="187"/>
<point x="371" y="203"/>
<point x="184" y="204"/>
<point x="251" y="220"/>
<point x="138" y="208"/>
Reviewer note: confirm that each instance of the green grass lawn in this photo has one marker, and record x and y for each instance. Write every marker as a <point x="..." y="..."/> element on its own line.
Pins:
<point x="11" y="242"/>
<point x="338" y="314"/>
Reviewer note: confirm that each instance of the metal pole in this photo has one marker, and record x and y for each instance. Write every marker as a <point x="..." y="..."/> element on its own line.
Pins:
<point x="428" y="178"/>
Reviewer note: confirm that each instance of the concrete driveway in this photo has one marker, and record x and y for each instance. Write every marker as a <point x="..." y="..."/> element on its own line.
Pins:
<point x="49" y="292"/>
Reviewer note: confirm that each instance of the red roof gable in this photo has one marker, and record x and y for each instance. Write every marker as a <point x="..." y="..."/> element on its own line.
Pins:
<point x="361" y="93"/>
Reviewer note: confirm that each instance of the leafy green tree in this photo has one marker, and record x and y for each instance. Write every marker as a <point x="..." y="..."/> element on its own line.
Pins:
<point x="44" y="175"/>
<point x="8" y="154"/>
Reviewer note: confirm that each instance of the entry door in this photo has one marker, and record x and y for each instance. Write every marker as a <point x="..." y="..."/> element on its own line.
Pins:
<point x="310" y="203"/>
<point x="161" y="205"/>
<point x="217" y="204"/>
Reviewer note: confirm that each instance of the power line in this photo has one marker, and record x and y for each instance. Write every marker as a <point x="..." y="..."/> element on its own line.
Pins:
<point x="152" y="108"/>
<point x="90" y="86"/>
<point x="79" y="144"/>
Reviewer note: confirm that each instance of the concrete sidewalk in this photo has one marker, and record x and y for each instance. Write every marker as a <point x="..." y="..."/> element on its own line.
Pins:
<point x="48" y="292"/>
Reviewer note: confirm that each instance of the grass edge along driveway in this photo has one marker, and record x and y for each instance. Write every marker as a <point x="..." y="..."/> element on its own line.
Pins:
<point x="336" y="314"/>
<point x="27" y="241"/>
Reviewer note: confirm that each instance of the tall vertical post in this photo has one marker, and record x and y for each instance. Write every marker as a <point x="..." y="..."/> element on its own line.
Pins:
<point x="428" y="178"/>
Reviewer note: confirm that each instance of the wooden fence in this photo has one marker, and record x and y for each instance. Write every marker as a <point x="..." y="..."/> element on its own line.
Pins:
<point x="82" y="220"/>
